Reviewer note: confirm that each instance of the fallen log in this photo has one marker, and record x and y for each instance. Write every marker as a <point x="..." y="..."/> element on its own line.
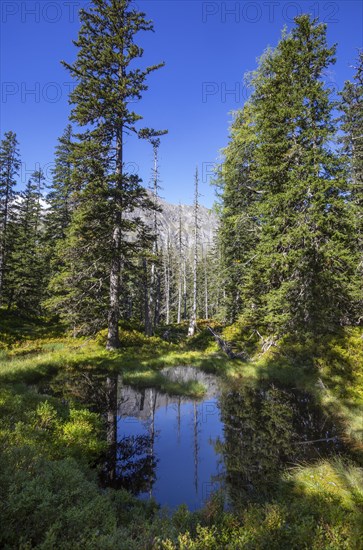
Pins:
<point x="226" y="347"/>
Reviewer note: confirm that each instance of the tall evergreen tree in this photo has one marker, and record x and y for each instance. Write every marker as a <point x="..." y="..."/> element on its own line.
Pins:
<point x="238" y="233"/>
<point x="287" y="221"/>
<point x="108" y="83"/>
<point x="79" y="288"/>
<point x="352" y="107"/>
<point x="59" y="199"/>
<point x="9" y="168"/>
<point x="352" y="126"/>
<point x="300" y="277"/>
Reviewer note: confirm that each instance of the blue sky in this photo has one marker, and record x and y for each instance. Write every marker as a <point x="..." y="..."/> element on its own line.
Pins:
<point x="207" y="47"/>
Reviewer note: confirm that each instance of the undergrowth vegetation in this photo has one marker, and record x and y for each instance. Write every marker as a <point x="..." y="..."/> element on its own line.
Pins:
<point x="51" y="446"/>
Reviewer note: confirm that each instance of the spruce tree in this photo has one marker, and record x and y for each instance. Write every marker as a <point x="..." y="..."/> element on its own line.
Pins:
<point x="352" y="125"/>
<point x="9" y="169"/>
<point x="352" y="119"/>
<point x="108" y="83"/>
<point x="238" y="231"/>
<point x="27" y="259"/>
<point x="300" y="277"/>
<point x="59" y="199"/>
<point x="294" y="254"/>
<point x="78" y="289"/>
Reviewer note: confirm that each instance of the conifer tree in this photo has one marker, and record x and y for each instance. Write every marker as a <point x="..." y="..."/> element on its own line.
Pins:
<point x="59" y="199"/>
<point x="152" y="268"/>
<point x="108" y="83"/>
<point x="300" y="277"/>
<point x="352" y="126"/>
<point x="27" y="267"/>
<point x="287" y="220"/>
<point x="9" y="168"/>
<point x="238" y="233"/>
<point x="79" y="287"/>
<point x="352" y="107"/>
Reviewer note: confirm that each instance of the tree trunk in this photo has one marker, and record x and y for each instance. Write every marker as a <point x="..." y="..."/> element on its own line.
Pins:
<point x="147" y="302"/>
<point x="180" y="268"/>
<point x="185" y="292"/>
<point x="206" y="301"/>
<point x="193" y="320"/>
<point x="113" y="340"/>
<point x="167" y="285"/>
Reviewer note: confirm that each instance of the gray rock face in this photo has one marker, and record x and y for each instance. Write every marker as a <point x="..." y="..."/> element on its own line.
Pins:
<point x="169" y="224"/>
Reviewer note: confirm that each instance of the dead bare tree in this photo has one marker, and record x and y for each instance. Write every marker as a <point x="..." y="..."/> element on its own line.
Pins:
<point x="152" y="297"/>
<point x="180" y="266"/>
<point x="193" y="319"/>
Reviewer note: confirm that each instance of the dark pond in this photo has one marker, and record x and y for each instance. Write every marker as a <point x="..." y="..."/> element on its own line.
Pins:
<point x="181" y="450"/>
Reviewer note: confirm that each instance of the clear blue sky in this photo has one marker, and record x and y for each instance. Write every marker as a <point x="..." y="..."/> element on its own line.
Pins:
<point x="207" y="47"/>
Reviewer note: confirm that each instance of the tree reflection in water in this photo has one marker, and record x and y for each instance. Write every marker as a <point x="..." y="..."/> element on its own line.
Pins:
<point x="129" y="461"/>
<point x="238" y="436"/>
<point x="265" y="430"/>
<point x="130" y="465"/>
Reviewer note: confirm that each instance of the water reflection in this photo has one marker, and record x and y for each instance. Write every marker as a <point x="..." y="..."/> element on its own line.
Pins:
<point x="182" y="432"/>
<point x="180" y="450"/>
<point x="130" y="462"/>
<point x="267" y="430"/>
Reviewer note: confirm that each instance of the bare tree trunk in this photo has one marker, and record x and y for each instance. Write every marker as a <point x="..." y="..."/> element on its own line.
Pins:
<point x="179" y="299"/>
<point x="180" y="267"/>
<point x="150" y="299"/>
<point x="167" y="284"/>
<point x="193" y="320"/>
<point x="147" y="320"/>
<point x="206" y="286"/>
<point x="185" y="291"/>
<point x="154" y="295"/>
<point x="113" y="340"/>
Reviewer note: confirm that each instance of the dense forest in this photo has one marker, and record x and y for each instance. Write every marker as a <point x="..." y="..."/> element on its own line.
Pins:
<point x="93" y="283"/>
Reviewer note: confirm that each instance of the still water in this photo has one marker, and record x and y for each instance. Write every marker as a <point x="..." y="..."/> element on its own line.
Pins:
<point x="180" y="450"/>
<point x="183" y="433"/>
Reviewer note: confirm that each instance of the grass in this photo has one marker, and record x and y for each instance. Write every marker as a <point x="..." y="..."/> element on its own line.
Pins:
<point x="49" y="446"/>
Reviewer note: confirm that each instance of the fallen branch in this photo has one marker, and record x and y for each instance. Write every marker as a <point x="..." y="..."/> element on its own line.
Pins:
<point x="316" y="441"/>
<point x="266" y="344"/>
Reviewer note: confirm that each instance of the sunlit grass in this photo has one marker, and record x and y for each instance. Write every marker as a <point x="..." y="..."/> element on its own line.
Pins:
<point x="335" y="478"/>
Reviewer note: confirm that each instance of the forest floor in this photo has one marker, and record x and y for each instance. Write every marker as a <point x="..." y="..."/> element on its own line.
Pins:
<point x="49" y="447"/>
